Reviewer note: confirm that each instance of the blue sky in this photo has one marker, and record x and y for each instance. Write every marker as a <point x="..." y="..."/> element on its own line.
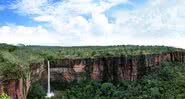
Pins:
<point x="10" y="16"/>
<point x="93" y="22"/>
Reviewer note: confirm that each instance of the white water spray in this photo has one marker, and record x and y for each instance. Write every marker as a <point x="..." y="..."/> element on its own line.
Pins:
<point x="49" y="93"/>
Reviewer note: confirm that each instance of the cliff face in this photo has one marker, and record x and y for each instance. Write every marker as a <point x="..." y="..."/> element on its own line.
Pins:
<point x="99" y="69"/>
<point x="18" y="88"/>
<point x="110" y="68"/>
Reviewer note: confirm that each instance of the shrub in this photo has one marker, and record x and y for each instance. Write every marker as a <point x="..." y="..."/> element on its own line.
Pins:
<point x="4" y="96"/>
<point x="107" y="89"/>
<point x="167" y="83"/>
<point x="37" y="91"/>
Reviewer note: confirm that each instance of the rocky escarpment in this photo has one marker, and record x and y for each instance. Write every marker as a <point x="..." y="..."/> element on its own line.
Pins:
<point x="110" y="68"/>
<point x="99" y="69"/>
<point x="18" y="88"/>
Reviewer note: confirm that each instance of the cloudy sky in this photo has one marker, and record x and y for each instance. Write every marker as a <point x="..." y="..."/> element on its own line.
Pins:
<point x="93" y="22"/>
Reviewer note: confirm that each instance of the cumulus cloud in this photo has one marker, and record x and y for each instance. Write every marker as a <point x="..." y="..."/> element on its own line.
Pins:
<point x="66" y="18"/>
<point x="43" y="18"/>
<point x="84" y="22"/>
<point x="156" y="19"/>
<point x="158" y="22"/>
<point x="26" y="35"/>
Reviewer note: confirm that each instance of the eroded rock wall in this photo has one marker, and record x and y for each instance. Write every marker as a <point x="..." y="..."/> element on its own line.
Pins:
<point x="100" y="69"/>
<point x="111" y="68"/>
<point x="18" y="88"/>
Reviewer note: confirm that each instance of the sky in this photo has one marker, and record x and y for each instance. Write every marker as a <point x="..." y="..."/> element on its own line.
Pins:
<point x="93" y="22"/>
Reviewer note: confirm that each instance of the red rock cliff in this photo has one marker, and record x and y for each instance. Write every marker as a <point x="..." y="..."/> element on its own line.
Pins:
<point x="100" y="69"/>
<point x="18" y="88"/>
<point x="111" y="68"/>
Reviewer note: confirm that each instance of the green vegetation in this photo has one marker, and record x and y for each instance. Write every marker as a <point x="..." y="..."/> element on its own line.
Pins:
<point x="97" y="51"/>
<point x="37" y="91"/>
<point x="167" y="83"/>
<point x="16" y="59"/>
<point x="4" y="96"/>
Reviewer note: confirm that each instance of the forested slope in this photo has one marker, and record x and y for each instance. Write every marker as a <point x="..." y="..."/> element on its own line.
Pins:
<point x="16" y="59"/>
<point x="166" y="83"/>
<point x="15" y="64"/>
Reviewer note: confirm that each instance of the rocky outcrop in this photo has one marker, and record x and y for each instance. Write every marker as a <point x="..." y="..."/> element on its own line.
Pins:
<point x="111" y="68"/>
<point x="99" y="69"/>
<point x="38" y="72"/>
<point x="18" y="88"/>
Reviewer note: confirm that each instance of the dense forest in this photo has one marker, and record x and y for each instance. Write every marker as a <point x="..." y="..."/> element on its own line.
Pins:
<point x="57" y="52"/>
<point x="166" y="83"/>
<point x="15" y="61"/>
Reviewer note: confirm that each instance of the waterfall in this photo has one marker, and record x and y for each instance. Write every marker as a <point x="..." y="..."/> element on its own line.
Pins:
<point x="49" y="93"/>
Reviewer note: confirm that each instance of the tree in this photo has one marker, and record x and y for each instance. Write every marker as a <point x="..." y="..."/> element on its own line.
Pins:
<point x="4" y="96"/>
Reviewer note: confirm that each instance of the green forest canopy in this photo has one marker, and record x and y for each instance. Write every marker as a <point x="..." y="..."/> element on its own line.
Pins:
<point x="16" y="59"/>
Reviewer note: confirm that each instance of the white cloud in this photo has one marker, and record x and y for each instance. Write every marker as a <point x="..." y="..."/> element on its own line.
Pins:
<point x="100" y="25"/>
<point x="157" y="22"/>
<point x="45" y="18"/>
<point x="158" y="17"/>
<point x="65" y="17"/>
<point x="27" y="35"/>
<point x="30" y="7"/>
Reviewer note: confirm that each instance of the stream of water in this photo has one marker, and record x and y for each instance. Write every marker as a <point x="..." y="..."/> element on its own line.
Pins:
<point x="49" y="93"/>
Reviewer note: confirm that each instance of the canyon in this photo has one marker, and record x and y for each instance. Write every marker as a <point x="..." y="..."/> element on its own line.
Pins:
<point x="111" y="68"/>
<point x="125" y="67"/>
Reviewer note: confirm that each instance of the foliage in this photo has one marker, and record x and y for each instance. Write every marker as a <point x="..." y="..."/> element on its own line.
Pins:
<point x="37" y="91"/>
<point x="4" y="96"/>
<point x="6" y="47"/>
<point x="167" y="83"/>
<point x="16" y="59"/>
